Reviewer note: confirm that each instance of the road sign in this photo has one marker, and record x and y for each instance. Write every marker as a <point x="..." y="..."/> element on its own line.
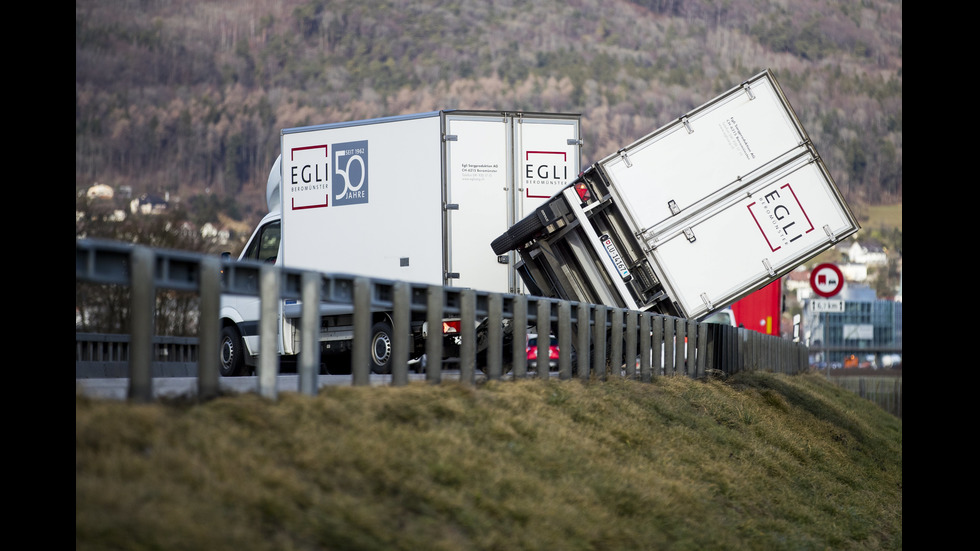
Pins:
<point x="826" y="280"/>
<point x="827" y="305"/>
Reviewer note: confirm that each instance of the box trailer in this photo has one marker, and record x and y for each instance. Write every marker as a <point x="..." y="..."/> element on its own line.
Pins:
<point x="761" y="310"/>
<point x="699" y="213"/>
<point x="414" y="198"/>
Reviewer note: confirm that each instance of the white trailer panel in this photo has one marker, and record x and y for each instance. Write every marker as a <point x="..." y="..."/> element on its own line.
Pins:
<point x="365" y="199"/>
<point x="712" y="150"/>
<point x="691" y="217"/>
<point x="724" y="253"/>
<point x="499" y="168"/>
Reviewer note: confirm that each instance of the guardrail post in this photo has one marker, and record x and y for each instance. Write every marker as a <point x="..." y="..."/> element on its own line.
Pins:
<point x="544" y="337"/>
<point x="400" y="322"/>
<point x="599" y="338"/>
<point x="268" y="332"/>
<point x="467" y="352"/>
<point x="518" y="352"/>
<point x="670" y="343"/>
<point x="649" y="346"/>
<point x="701" y="365"/>
<point x="141" y="324"/>
<point x="654" y="332"/>
<point x="616" y="346"/>
<point x="629" y="353"/>
<point x="361" y="353"/>
<point x="584" y="352"/>
<point x="564" y="340"/>
<point x="309" y="356"/>
<point x="693" y="370"/>
<point x="495" y="336"/>
<point x="433" y="341"/>
<point x="208" y="328"/>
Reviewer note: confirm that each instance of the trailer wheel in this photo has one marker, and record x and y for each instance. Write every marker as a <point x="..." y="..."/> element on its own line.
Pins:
<point x="231" y="359"/>
<point x="525" y="228"/>
<point x="503" y="244"/>
<point x="381" y="336"/>
<point x="519" y="233"/>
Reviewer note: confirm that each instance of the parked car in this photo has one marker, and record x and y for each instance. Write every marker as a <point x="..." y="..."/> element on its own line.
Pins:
<point x="891" y="361"/>
<point x="532" y="352"/>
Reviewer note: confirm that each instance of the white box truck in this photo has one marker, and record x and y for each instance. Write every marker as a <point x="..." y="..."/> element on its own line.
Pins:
<point x="414" y="198"/>
<point x="690" y="218"/>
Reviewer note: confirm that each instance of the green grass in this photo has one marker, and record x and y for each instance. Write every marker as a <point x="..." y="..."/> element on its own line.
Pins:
<point x="760" y="461"/>
<point x="882" y="217"/>
<point x="882" y="389"/>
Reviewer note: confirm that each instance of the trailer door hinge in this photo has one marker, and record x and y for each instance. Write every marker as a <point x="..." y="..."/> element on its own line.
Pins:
<point x="452" y="275"/>
<point x="687" y="124"/>
<point x="573" y="141"/>
<point x="704" y="299"/>
<point x="450" y="138"/>
<point x="626" y="159"/>
<point x="748" y="90"/>
<point x="674" y="209"/>
<point x="452" y="206"/>
<point x="768" y="266"/>
<point x="689" y="234"/>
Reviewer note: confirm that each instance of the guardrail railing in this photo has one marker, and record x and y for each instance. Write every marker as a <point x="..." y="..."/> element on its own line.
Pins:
<point x="661" y="345"/>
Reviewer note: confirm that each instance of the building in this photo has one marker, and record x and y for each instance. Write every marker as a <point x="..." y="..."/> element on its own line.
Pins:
<point x="149" y="204"/>
<point x="854" y="322"/>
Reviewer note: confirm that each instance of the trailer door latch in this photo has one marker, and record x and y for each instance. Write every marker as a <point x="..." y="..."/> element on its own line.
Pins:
<point x="830" y="233"/>
<point x="704" y="299"/>
<point x="626" y="159"/>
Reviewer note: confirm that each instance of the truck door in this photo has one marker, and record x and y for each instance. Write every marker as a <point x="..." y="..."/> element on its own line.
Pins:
<point x="549" y="153"/>
<point x="477" y="200"/>
<point x="501" y="167"/>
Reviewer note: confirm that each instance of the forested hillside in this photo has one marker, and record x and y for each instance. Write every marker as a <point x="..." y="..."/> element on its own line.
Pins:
<point x="188" y="96"/>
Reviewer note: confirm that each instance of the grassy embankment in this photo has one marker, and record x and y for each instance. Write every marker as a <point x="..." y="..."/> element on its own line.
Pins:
<point x="760" y="461"/>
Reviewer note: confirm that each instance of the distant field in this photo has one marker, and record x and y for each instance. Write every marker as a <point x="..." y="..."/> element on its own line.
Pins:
<point x="883" y="216"/>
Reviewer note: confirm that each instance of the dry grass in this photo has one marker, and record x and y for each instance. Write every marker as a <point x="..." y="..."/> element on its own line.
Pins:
<point x="762" y="461"/>
<point x="883" y="217"/>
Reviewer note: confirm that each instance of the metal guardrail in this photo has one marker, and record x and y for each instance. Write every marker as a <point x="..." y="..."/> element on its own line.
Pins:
<point x="673" y="346"/>
<point x="100" y="355"/>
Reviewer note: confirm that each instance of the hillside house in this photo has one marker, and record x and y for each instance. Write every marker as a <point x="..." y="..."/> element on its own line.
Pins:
<point x="867" y="253"/>
<point x="148" y="204"/>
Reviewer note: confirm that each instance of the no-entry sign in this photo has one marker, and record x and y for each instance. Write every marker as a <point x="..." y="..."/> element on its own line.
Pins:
<point x="826" y="280"/>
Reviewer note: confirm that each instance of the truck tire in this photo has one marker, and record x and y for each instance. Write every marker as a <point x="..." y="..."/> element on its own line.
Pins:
<point x="519" y="233"/>
<point x="502" y="244"/>
<point x="381" y="336"/>
<point x="231" y="359"/>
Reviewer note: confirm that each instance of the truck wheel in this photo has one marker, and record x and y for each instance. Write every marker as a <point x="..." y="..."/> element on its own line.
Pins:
<point x="381" y="336"/>
<point x="503" y="244"/>
<point x="231" y="360"/>
<point x="519" y="233"/>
